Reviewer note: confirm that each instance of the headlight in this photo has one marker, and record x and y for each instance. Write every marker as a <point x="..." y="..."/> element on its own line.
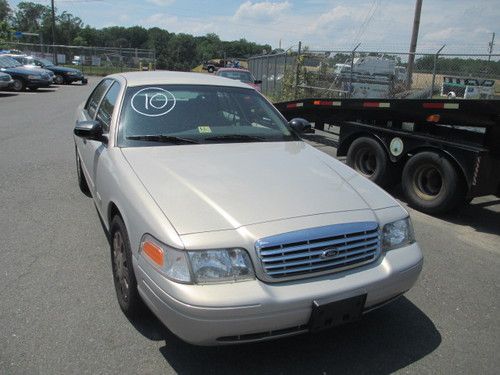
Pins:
<point x="169" y="261"/>
<point x="32" y="76"/>
<point x="211" y="266"/>
<point x="397" y="234"/>
<point x="208" y="266"/>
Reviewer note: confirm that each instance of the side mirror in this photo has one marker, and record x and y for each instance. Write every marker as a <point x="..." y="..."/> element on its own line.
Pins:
<point x="301" y="126"/>
<point x="89" y="129"/>
<point x="257" y="81"/>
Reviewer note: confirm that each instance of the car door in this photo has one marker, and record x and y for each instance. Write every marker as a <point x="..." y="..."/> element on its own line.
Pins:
<point x="99" y="150"/>
<point x="88" y="148"/>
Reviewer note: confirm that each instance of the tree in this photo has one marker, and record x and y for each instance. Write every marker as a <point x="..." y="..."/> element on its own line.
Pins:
<point x="4" y="10"/>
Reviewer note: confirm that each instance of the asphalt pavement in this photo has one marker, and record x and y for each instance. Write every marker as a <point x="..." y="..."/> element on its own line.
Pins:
<point x="59" y="314"/>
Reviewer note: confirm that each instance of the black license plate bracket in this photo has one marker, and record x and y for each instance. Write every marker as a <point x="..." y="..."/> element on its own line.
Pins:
<point x="331" y="314"/>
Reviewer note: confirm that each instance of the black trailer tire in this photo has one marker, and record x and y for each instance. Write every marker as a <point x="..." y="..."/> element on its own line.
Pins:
<point x="432" y="184"/>
<point x="368" y="157"/>
<point x="123" y="271"/>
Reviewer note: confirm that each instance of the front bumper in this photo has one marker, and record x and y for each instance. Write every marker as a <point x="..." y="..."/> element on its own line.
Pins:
<point x="6" y="84"/>
<point x="255" y="311"/>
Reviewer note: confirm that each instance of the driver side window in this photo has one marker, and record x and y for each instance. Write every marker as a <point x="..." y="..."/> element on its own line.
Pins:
<point x="107" y="106"/>
<point x="96" y="97"/>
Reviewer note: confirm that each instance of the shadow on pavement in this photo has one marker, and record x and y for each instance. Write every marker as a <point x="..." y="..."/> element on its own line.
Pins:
<point x="7" y="93"/>
<point x="386" y="340"/>
<point x="482" y="214"/>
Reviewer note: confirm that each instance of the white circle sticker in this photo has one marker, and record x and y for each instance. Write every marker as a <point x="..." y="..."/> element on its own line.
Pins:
<point x="153" y="101"/>
<point x="396" y="146"/>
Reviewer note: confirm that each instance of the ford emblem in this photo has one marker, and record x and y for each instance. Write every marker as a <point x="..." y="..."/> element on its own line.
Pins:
<point x="329" y="253"/>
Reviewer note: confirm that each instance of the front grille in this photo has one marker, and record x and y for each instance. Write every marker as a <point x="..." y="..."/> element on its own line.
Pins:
<point x="316" y="250"/>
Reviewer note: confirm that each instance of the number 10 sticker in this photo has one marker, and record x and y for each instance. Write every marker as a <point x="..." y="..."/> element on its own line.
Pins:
<point x="153" y="101"/>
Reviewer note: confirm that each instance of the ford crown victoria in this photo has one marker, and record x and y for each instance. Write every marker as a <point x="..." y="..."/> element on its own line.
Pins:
<point x="224" y="222"/>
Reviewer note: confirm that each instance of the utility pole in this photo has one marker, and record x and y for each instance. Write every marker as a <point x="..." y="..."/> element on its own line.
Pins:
<point x="413" y="43"/>
<point x="54" y="33"/>
<point x="491" y="44"/>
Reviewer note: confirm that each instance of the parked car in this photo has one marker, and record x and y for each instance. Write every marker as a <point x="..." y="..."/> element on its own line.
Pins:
<point x="32" y="66"/>
<point x="62" y="74"/>
<point x="224" y="222"/>
<point x="5" y="81"/>
<point x="241" y="75"/>
<point x="214" y="65"/>
<point x="23" y="77"/>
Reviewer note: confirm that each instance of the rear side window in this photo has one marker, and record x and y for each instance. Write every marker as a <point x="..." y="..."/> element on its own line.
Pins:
<point x="107" y="106"/>
<point x="96" y="96"/>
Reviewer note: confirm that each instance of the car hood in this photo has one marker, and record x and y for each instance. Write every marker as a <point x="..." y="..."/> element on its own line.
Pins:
<point x="212" y="187"/>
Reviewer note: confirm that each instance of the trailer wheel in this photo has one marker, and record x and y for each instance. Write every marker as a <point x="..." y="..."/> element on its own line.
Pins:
<point x="432" y="184"/>
<point x="368" y="157"/>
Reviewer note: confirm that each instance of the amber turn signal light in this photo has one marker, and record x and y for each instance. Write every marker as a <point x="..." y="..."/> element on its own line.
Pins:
<point x="154" y="252"/>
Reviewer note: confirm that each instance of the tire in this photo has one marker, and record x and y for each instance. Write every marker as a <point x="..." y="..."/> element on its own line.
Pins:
<point x="211" y="69"/>
<point x="432" y="184"/>
<point x="59" y="79"/>
<point x="82" y="181"/>
<point x="123" y="271"/>
<point x="18" y="85"/>
<point x="368" y="157"/>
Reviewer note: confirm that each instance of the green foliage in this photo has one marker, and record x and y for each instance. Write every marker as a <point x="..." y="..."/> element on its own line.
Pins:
<point x="4" y="10"/>
<point x="173" y="51"/>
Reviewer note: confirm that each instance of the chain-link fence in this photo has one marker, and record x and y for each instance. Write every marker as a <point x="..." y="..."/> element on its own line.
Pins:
<point x="91" y="60"/>
<point x="377" y="74"/>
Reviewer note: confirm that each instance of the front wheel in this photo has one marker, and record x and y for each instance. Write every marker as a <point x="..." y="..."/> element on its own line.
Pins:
<point x="18" y="85"/>
<point x="211" y="69"/>
<point x="432" y="184"/>
<point x="123" y="271"/>
<point x="367" y="156"/>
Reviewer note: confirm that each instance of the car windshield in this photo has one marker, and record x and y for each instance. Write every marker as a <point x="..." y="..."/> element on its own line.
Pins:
<point x="233" y="74"/>
<point x="44" y="62"/>
<point x="198" y="114"/>
<point x="8" y="62"/>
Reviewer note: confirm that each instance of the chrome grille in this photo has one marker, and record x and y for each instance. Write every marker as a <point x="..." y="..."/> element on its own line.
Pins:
<point x="316" y="250"/>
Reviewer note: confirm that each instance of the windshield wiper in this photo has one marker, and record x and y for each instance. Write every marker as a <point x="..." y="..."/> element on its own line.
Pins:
<point x="235" y="137"/>
<point x="162" y="138"/>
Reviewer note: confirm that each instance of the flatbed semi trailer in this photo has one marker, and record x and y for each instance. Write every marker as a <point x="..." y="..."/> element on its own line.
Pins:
<point x="444" y="152"/>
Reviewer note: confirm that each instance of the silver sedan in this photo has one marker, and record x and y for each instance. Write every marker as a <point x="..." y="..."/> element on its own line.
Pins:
<point x="224" y="222"/>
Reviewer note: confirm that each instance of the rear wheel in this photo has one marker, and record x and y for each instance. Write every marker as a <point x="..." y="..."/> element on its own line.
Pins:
<point x="368" y="157"/>
<point x="58" y="79"/>
<point x="18" y="85"/>
<point x="123" y="271"/>
<point x="432" y="184"/>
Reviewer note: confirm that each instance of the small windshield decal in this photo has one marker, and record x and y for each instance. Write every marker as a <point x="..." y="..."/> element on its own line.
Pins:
<point x="153" y="101"/>
<point x="204" y="129"/>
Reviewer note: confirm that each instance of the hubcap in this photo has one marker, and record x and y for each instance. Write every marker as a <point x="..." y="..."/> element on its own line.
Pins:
<point x="366" y="162"/>
<point x="17" y="85"/>
<point x="120" y="263"/>
<point x="427" y="182"/>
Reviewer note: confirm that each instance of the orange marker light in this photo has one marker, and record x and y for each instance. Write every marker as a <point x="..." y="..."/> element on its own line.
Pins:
<point x="154" y="252"/>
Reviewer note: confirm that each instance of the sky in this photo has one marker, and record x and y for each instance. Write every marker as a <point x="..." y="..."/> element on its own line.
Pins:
<point x="463" y="25"/>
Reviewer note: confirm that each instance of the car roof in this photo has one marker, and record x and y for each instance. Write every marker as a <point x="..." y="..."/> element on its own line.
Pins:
<point x="163" y="77"/>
